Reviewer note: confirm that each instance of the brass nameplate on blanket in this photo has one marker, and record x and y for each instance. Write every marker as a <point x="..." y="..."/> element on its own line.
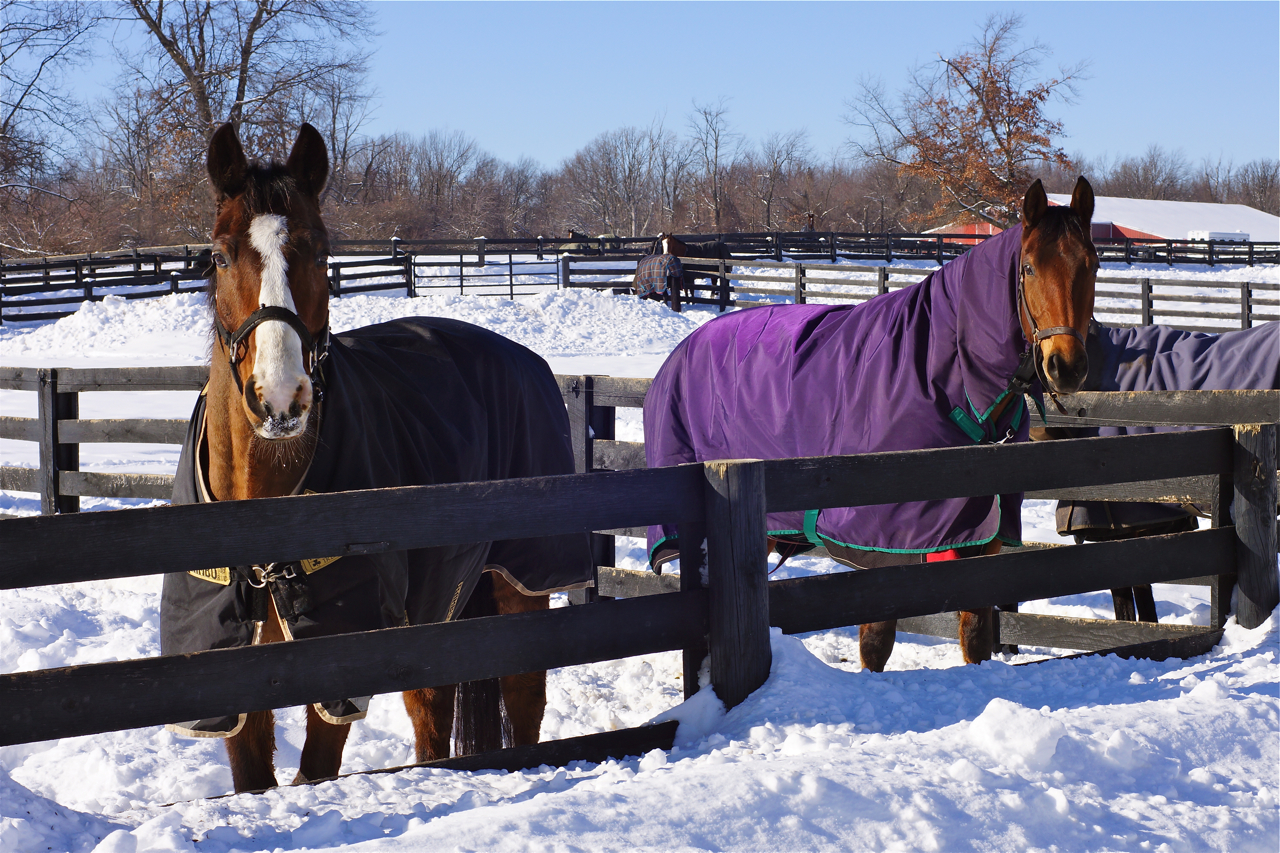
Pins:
<point x="218" y="576"/>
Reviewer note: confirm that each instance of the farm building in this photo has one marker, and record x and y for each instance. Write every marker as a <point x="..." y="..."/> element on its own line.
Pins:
<point x="1150" y="219"/>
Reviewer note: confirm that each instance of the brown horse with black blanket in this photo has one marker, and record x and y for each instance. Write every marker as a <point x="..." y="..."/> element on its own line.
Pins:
<point x="290" y="410"/>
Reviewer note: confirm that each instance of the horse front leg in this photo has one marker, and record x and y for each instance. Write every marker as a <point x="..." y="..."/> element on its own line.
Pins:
<point x="875" y="643"/>
<point x="977" y="627"/>
<point x="524" y="695"/>
<point x="251" y="751"/>
<point x="322" y="751"/>
<point x="431" y="712"/>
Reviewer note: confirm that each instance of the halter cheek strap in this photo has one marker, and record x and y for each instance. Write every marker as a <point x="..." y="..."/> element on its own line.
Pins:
<point x="1029" y="367"/>
<point x="316" y="348"/>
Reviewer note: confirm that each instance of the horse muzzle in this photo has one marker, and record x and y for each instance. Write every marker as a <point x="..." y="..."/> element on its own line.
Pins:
<point x="1066" y="367"/>
<point x="279" y="415"/>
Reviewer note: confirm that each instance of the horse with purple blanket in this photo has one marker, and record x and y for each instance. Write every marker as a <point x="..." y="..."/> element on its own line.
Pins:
<point x="942" y="363"/>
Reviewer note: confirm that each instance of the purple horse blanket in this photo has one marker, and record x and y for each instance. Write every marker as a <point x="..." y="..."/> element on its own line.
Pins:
<point x="920" y="367"/>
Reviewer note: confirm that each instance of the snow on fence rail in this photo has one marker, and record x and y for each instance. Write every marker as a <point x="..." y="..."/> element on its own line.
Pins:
<point x="723" y="502"/>
<point x="48" y="288"/>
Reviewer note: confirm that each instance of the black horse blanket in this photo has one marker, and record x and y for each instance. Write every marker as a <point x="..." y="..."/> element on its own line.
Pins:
<point x="1160" y="358"/>
<point x="416" y="401"/>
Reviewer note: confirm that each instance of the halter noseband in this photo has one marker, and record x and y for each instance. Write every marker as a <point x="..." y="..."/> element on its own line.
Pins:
<point x="1029" y="367"/>
<point x="316" y="348"/>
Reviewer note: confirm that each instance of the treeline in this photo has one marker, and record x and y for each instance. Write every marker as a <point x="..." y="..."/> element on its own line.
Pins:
<point x="130" y="172"/>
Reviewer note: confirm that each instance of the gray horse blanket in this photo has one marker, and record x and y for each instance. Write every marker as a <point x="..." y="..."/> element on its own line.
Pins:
<point x="655" y="272"/>
<point x="1160" y="358"/>
<point x="417" y="401"/>
<point x="921" y="367"/>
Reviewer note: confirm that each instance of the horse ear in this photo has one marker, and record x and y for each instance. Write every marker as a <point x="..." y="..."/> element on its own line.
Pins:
<point x="1082" y="200"/>
<point x="1034" y="204"/>
<point x="226" y="163"/>
<point x="308" y="162"/>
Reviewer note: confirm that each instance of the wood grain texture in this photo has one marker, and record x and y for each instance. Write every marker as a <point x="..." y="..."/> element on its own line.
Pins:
<point x="148" y="430"/>
<point x="97" y="484"/>
<point x="100" y="545"/>
<point x="737" y="563"/>
<point x="1207" y="408"/>
<point x="898" y="592"/>
<point x="19" y="429"/>
<point x="94" y="698"/>
<point x="1254" y="508"/>
<point x="630" y="583"/>
<point x="880" y="478"/>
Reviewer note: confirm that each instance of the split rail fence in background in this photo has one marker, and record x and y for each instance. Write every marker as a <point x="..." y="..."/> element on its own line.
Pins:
<point x="46" y="288"/>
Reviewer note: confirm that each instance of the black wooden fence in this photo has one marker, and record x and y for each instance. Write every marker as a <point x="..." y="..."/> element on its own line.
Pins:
<point x="725" y="502"/>
<point x="47" y="288"/>
<point x="1122" y="301"/>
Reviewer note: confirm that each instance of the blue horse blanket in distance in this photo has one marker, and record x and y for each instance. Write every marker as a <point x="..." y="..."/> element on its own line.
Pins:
<point x="901" y="371"/>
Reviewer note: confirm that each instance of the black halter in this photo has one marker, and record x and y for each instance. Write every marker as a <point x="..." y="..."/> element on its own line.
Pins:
<point x="1029" y="367"/>
<point x="317" y="348"/>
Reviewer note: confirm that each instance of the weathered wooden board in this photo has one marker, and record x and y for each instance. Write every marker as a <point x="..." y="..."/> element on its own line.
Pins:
<point x="880" y="478"/>
<point x="100" y="545"/>
<point x="96" y="484"/>
<point x="1169" y="407"/>
<point x="897" y="592"/>
<point x="104" y="697"/>
<point x="149" y="430"/>
<point x="629" y="583"/>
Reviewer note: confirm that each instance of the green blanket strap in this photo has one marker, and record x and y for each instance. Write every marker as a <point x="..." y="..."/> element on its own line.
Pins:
<point x="811" y="528"/>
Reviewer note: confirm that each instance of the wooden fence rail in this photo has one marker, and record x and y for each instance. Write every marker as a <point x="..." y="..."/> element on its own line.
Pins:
<point x="51" y="287"/>
<point x="728" y="499"/>
<point x="1148" y="300"/>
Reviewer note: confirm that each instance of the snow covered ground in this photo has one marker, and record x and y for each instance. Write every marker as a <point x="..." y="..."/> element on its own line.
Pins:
<point x="1088" y="754"/>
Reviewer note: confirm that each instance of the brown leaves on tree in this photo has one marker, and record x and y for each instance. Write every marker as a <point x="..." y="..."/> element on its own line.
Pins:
<point x="973" y="125"/>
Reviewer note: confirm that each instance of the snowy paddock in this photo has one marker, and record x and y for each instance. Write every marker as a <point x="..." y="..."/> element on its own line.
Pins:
<point x="1089" y="754"/>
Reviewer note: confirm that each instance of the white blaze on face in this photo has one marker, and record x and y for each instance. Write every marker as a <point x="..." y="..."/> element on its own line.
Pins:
<point x="666" y="245"/>
<point x="278" y="372"/>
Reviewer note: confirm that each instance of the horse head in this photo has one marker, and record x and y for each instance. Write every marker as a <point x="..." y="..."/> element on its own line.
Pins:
<point x="269" y="287"/>
<point x="1057" y="272"/>
<point x="667" y="244"/>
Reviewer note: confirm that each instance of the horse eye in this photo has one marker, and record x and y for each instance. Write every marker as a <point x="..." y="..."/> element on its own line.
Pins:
<point x="1027" y="269"/>
<point x="220" y="260"/>
<point x="322" y="259"/>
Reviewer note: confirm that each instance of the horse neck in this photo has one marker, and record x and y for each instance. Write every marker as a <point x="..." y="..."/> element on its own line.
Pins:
<point x="239" y="466"/>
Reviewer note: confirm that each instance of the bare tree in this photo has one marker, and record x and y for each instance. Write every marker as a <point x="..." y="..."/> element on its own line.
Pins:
<point x="771" y="167"/>
<point x="1258" y="185"/>
<point x="230" y="61"/>
<point x="717" y="148"/>
<point x="973" y="123"/>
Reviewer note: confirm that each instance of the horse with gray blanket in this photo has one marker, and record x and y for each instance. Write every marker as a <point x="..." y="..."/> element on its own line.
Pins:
<point x="1159" y="358"/>
<point x="713" y="250"/>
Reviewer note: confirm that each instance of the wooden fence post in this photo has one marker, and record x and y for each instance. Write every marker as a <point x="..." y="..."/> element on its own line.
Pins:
<point x="799" y="284"/>
<point x="738" y="578"/>
<point x="1246" y="305"/>
<point x="1144" y="291"/>
<point x="410" y="283"/>
<point x="580" y="407"/>
<point x="1220" y="586"/>
<point x="55" y="457"/>
<point x="882" y="280"/>
<point x="564" y="271"/>
<point x="1254" y="507"/>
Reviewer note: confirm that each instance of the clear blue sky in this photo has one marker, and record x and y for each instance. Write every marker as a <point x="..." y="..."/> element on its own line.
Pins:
<point x="543" y="79"/>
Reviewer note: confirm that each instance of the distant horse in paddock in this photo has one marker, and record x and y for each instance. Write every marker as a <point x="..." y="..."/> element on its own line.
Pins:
<point x="1158" y="358"/>
<point x="942" y="363"/>
<point x="659" y="277"/>
<point x="290" y="409"/>
<point x="714" y="250"/>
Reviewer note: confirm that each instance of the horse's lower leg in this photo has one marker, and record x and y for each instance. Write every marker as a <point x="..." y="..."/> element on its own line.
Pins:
<point x="251" y="753"/>
<point x="524" y="695"/>
<point x="875" y="643"/>
<point x="431" y="712"/>
<point x="322" y="751"/>
<point x="977" y="636"/>
<point x="1145" y="603"/>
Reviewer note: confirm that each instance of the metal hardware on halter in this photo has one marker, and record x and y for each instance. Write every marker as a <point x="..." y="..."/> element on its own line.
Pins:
<point x="316" y="348"/>
<point x="263" y="575"/>
<point x="1022" y="378"/>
